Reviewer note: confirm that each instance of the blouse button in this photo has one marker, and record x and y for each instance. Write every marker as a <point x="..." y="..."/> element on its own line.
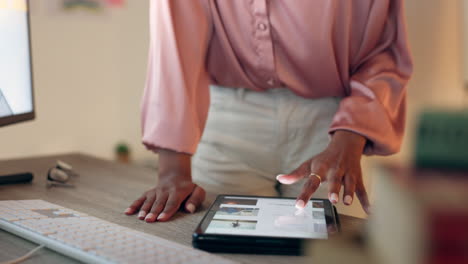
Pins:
<point x="262" y="26"/>
<point x="271" y="82"/>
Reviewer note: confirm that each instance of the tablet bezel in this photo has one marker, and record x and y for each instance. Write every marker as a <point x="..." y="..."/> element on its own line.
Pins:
<point x="331" y="219"/>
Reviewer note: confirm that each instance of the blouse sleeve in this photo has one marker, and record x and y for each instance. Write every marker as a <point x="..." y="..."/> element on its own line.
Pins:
<point x="176" y="97"/>
<point x="376" y="103"/>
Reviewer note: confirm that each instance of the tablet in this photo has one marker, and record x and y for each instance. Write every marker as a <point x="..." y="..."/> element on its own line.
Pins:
<point x="257" y="224"/>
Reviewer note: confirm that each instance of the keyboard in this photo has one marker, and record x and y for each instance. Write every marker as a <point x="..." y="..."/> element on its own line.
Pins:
<point x="90" y="239"/>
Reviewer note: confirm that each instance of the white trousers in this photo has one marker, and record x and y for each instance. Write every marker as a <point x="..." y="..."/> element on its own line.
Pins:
<point x="250" y="137"/>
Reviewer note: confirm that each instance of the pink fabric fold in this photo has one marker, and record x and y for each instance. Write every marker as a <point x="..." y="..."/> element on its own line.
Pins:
<point x="357" y="50"/>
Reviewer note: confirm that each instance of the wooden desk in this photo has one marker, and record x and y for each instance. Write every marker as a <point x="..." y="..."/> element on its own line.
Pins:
<point x="105" y="189"/>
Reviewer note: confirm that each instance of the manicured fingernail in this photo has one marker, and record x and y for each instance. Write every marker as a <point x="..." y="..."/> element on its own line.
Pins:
<point x="334" y="198"/>
<point x="368" y="210"/>
<point x="191" y="208"/>
<point x="141" y="215"/>
<point x="128" y="210"/>
<point x="279" y="176"/>
<point x="300" y="204"/>
<point x="150" y="217"/>
<point x="161" y="216"/>
<point x="348" y="200"/>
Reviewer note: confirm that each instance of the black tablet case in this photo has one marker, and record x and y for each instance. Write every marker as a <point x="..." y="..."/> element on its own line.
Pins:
<point x="253" y="245"/>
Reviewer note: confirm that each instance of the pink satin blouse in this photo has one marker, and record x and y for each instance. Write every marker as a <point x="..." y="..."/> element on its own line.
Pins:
<point x="356" y="49"/>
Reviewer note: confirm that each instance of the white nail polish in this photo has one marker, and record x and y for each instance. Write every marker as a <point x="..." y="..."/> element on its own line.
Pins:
<point x="279" y="176"/>
<point x="191" y="208"/>
<point x="128" y="210"/>
<point x="161" y="216"/>
<point x="348" y="199"/>
<point x="334" y="198"/>
<point x="141" y="214"/>
<point x="300" y="204"/>
<point x="149" y="216"/>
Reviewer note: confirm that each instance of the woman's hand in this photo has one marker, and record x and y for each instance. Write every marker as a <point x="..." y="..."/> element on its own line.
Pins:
<point x="339" y="164"/>
<point x="174" y="187"/>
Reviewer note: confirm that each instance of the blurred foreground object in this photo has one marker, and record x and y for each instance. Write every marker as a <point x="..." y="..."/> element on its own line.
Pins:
<point x="442" y="140"/>
<point x="349" y="249"/>
<point x="420" y="216"/>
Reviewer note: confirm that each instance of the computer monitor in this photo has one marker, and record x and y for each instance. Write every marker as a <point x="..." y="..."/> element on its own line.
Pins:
<point x="16" y="80"/>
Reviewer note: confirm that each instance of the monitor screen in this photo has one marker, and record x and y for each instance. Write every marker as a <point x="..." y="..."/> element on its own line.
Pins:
<point x="16" y="89"/>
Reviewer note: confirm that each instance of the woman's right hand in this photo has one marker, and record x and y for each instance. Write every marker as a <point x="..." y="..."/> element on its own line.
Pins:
<point x="174" y="187"/>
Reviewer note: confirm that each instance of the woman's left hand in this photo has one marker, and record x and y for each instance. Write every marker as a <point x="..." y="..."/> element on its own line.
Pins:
<point x="339" y="164"/>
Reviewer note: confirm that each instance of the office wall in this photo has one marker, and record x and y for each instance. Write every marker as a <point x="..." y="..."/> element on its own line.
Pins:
<point x="435" y="30"/>
<point x="89" y="75"/>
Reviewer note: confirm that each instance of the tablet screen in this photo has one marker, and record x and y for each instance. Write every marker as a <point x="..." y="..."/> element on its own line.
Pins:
<point x="258" y="216"/>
